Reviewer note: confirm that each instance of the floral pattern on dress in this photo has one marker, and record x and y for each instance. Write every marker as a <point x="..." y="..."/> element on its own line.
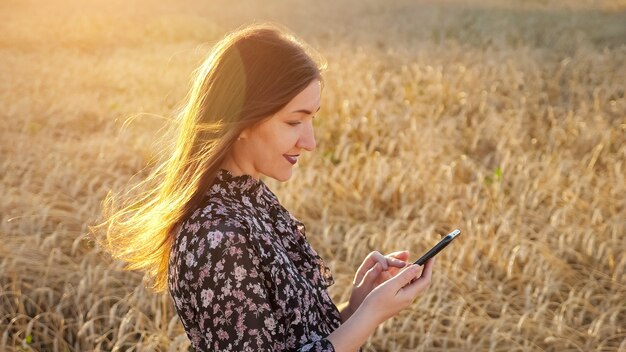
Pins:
<point x="243" y="276"/>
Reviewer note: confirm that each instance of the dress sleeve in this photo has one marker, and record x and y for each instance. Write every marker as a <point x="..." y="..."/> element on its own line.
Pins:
<point x="235" y="310"/>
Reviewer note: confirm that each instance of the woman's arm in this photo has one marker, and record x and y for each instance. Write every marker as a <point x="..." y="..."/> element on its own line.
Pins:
<point x="353" y="333"/>
<point x="345" y="311"/>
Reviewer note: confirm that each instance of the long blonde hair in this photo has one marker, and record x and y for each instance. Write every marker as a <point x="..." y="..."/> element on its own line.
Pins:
<point x="248" y="76"/>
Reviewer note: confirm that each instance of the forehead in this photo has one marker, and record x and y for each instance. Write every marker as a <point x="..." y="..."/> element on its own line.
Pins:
<point x="309" y="98"/>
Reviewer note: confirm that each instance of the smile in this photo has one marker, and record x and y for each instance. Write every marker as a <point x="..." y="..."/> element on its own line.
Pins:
<point x="291" y="158"/>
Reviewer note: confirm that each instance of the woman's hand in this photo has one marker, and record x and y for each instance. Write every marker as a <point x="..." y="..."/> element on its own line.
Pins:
<point x="375" y="270"/>
<point x="397" y="293"/>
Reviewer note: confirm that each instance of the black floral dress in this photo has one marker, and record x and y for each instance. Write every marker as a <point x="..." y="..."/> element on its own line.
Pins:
<point x="243" y="276"/>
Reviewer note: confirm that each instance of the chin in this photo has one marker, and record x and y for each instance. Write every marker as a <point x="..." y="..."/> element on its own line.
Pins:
<point x="283" y="176"/>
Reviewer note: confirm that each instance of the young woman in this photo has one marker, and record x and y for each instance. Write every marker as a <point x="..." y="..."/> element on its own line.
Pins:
<point x="237" y="264"/>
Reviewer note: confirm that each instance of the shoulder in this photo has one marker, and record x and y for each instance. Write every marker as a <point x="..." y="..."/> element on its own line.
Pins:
<point x="209" y="223"/>
<point x="217" y="213"/>
<point x="209" y="242"/>
<point x="211" y="250"/>
<point x="216" y="229"/>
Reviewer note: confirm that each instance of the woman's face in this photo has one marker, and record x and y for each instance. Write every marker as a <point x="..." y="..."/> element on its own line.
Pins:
<point x="272" y="147"/>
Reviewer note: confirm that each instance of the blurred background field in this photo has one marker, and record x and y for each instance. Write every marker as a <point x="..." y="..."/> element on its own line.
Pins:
<point x="506" y="119"/>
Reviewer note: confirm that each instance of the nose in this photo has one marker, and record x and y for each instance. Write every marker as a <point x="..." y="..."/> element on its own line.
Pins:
<point x="307" y="137"/>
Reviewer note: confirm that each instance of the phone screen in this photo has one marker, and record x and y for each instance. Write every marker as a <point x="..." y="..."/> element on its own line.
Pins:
<point x="438" y="247"/>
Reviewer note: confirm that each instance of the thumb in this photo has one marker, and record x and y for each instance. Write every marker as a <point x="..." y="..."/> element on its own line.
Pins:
<point x="405" y="276"/>
<point x="419" y="284"/>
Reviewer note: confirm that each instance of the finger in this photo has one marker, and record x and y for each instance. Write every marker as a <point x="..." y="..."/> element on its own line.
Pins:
<point x="414" y="288"/>
<point x="420" y="284"/>
<point x="405" y="276"/>
<point x="402" y="255"/>
<point x="368" y="263"/>
<point x="427" y="272"/>
<point x="373" y="258"/>
<point x="398" y="259"/>
<point x="378" y="257"/>
<point x="371" y="275"/>
<point x="395" y="262"/>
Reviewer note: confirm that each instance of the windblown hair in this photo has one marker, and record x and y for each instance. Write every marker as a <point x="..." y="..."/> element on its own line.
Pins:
<point x="248" y="76"/>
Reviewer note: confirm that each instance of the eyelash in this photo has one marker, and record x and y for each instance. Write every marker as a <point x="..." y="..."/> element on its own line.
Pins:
<point x="296" y="123"/>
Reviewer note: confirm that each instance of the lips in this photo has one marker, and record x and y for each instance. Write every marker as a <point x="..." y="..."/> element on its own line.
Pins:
<point x="291" y="158"/>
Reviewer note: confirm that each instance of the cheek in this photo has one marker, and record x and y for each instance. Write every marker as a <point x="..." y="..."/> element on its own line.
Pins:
<point x="279" y="139"/>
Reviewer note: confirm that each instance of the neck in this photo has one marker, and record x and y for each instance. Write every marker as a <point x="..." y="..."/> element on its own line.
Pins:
<point x="236" y="169"/>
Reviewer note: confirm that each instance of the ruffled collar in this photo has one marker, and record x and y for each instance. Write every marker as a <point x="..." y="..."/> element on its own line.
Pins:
<point x="239" y="185"/>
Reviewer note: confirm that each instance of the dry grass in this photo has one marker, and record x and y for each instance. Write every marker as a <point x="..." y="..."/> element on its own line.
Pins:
<point x="504" y="119"/>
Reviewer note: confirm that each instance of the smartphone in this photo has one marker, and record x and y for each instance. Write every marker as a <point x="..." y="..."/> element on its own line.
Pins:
<point x="438" y="247"/>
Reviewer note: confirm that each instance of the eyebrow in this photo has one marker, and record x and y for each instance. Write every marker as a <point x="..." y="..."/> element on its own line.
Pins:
<point x="306" y="111"/>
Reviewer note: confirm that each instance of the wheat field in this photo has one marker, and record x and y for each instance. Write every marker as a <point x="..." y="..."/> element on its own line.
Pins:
<point x="505" y="119"/>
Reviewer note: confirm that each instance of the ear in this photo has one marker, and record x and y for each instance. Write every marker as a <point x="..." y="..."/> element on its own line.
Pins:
<point x="244" y="134"/>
